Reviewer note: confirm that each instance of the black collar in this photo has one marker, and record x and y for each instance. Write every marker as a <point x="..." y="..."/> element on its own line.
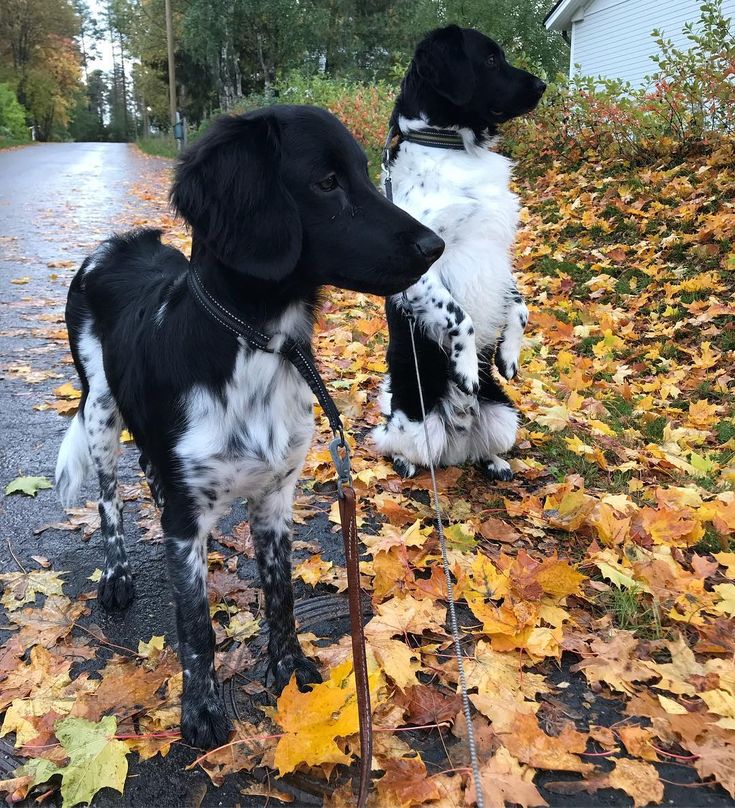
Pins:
<point x="435" y="138"/>
<point x="297" y="353"/>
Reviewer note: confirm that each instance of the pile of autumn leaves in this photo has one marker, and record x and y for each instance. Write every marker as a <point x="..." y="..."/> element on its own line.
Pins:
<point x="611" y="548"/>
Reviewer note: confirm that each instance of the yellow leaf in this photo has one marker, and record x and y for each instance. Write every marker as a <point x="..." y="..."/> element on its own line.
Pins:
<point x="726" y="593"/>
<point x="67" y="391"/>
<point x="727" y="560"/>
<point x="152" y="648"/>
<point x="672" y="707"/>
<point x="312" y="721"/>
<point x="22" y="587"/>
<point x="242" y="626"/>
<point x="559" y="579"/>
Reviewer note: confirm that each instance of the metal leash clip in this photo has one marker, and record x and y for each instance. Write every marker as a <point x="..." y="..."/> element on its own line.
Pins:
<point x="340" y="452"/>
<point x="385" y="165"/>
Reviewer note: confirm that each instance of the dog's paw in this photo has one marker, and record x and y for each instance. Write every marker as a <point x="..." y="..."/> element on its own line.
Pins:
<point x="404" y="468"/>
<point x="204" y="722"/>
<point x="507" y="366"/>
<point x="507" y="358"/>
<point x="466" y="375"/>
<point x="496" y="469"/>
<point x="306" y="671"/>
<point x="116" y="590"/>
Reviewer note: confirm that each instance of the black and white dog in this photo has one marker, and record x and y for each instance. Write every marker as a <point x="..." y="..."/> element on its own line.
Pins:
<point x="458" y="88"/>
<point x="280" y="203"/>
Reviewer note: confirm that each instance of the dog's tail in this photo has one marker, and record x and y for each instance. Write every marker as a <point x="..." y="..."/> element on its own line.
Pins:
<point x="74" y="462"/>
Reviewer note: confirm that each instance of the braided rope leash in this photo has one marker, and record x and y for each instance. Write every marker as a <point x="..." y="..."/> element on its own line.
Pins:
<point x="471" y="742"/>
<point x="456" y="639"/>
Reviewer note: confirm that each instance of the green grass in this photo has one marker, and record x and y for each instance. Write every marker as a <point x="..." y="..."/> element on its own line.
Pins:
<point x="158" y="146"/>
<point x="11" y="144"/>
<point x="654" y="429"/>
<point x="725" y="430"/>
<point x="670" y="351"/>
<point x="620" y="411"/>
<point x="623" y="285"/>
<point x="561" y="461"/>
<point x="712" y="542"/>
<point x="634" y="610"/>
<point x="690" y="297"/>
<point x="725" y="340"/>
<point x="709" y="391"/>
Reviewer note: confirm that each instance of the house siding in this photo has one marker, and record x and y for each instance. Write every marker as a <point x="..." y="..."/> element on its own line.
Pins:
<point x="612" y="38"/>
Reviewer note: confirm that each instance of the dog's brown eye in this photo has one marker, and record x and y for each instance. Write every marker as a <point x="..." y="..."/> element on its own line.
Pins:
<point x="328" y="183"/>
<point x="491" y="61"/>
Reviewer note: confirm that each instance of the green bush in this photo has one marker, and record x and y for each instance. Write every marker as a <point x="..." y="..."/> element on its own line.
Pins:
<point x="12" y="117"/>
<point x="160" y="146"/>
<point x="363" y="108"/>
<point x="688" y="106"/>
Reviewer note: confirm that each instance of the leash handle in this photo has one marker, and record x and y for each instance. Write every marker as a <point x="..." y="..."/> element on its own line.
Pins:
<point x="348" y="518"/>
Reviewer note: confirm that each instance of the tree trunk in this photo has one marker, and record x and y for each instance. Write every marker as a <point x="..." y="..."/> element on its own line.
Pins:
<point x="267" y="89"/>
<point x="124" y="88"/>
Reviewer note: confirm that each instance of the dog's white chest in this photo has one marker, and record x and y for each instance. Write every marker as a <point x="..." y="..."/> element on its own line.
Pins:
<point x="466" y="199"/>
<point x="243" y="442"/>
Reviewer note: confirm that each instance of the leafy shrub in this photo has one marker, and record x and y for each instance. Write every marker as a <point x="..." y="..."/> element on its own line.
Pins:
<point x="688" y="105"/>
<point x="12" y="117"/>
<point x="696" y="88"/>
<point x="364" y="109"/>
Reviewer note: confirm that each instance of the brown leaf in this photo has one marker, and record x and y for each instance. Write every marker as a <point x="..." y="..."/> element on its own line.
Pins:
<point x="530" y="744"/>
<point x="427" y="705"/>
<point x="46" y="626"/>
<point x="405" y="783"/>
<point x="506" y="782"/>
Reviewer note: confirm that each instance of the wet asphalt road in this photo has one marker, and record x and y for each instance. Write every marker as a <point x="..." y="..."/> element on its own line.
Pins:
<point x="57" y="200"/>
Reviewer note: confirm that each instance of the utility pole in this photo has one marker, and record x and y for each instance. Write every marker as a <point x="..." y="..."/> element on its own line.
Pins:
<point x="171" y="67"/>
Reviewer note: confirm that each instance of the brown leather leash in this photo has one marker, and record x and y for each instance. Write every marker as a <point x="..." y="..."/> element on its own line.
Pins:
<point x="348" y="519"/>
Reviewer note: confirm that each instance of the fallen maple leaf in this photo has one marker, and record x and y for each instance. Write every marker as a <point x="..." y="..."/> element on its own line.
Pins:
<point x="506" y="782"/>
<point x="639" y="780"/>
<point x="530" y="744"/>
<point x="22" y="587"/>
<point x="29" y="486"/>
<point x="615" y="663"/>
<point x="312" y="721"/>
<point x="405" y="783"/>
<point x="96" y="759"/>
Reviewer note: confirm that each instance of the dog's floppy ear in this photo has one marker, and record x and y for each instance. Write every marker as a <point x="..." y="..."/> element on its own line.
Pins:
<point x="228" y="187"/>
<point x="442" y="61"/>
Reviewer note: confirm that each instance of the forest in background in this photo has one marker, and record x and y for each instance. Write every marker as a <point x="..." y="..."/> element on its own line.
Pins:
<point x="225" y="51"/>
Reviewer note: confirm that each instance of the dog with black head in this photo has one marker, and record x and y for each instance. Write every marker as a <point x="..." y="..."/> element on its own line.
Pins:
<point x="280" y="204"/>
<point x="458" y="90"/>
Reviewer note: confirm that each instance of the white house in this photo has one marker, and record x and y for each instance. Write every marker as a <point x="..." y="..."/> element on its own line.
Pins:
<point x="612" y="38"/>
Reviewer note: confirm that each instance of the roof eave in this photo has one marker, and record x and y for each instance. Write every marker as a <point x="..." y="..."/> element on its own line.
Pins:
<point x="560" y="16"/>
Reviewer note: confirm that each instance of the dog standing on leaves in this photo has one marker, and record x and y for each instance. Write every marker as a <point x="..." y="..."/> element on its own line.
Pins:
<point x="467" y="308"/>
<point x="280" y="203"/>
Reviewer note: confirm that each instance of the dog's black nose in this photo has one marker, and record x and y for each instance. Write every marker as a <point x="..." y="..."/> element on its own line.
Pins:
<point x="430" y="246"/>
<point x="539" y="86"/>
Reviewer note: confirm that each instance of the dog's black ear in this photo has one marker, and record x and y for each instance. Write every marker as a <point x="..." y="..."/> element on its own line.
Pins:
<point x="228" y="187"/>
<point x="442" y="61"/>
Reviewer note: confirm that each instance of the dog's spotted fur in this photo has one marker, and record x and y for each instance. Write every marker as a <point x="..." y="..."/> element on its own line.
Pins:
<point x="280" y="203"/>
<point x="468" y="311"/>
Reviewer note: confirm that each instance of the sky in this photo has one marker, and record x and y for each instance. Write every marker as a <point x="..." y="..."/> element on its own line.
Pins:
<point x="104" y="62"/>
